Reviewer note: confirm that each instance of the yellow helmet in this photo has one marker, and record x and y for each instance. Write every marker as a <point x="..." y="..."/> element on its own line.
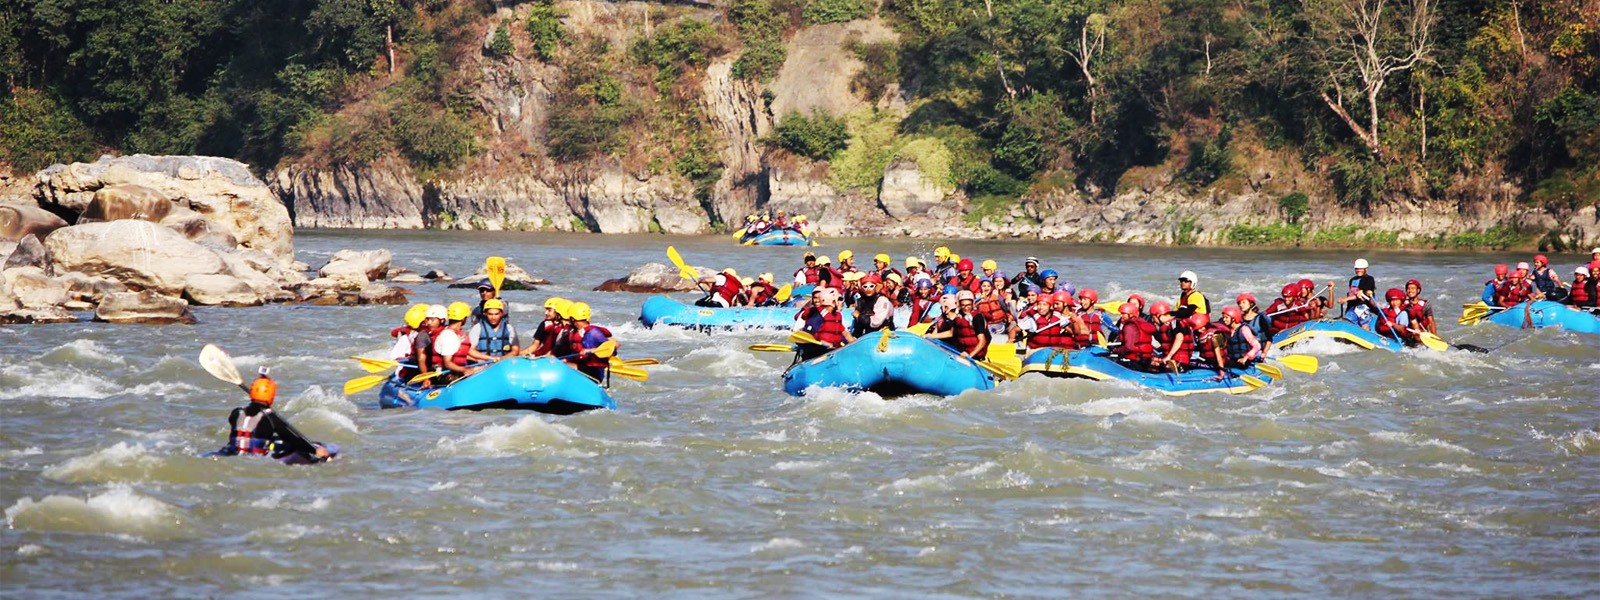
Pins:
<point x="990" y="265"/>
<point x="883" y="258"/>
<point x="911" y="261"/>
<point x="747" y="282"/>
<point x="895" y="277"/>
<point x="846" y="255"/>
<point x="955" y="258"/>
<point x="415" y="315"/>
<point x="767" y="277"/>
<point x="494" y="304"/>
<point x="554" y="302"/>
<point x="458" y="311"/>
<point x="560" y="306"/>
<point x="578" y="311"/>
<point x="941" y="252"/>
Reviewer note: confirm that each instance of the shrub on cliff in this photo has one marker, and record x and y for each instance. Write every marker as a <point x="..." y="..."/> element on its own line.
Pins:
<point x="818" y="12"/>
<point x="817" y="137"/>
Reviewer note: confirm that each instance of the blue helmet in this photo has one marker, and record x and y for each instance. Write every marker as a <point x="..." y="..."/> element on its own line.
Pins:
<point x="1032" y="289"/>
<point x="1049" y="273"/>
<point x="924" y="283"/>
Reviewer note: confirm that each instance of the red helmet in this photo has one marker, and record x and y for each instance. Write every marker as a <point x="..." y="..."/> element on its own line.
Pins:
<point x="964" y="265"/>
<point x="1160" y="308"/>
<point x="1415" y="283"/>
<point x="1062" y="298"/>
<point x="873" y="279"/>
<point x="1244" y="297"/>
<point x="1394" y="294"/>
<point x="1291" y="290"/>
<point x="1137" y="298"/>
<point x="1307" y="285"/>
<point x="1094" y="297"/>
<point x="1128" y="309"/>
<point x="1501" y="269"/>
<point x="1233" y="312"/>
<point x="1199" y="320"/>
<point x="1540" y="258"/>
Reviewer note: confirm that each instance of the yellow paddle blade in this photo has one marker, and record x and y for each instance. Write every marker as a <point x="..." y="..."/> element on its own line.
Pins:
<point x="635" y="362"/>
<point x="1004" y="354"/>
<point x="919" y="329"/>
<point x="998" y="370"/>
<point x="496" y="268"/>
<point x="738" y="234"/>
<point x="683" y="270"/>
<point x="1110" y="306"/>
<point x="1303" y="363"/>
<point x="1434" y="342"/>
<point x="375" y="365"/>
<point x="605" y="349"/>
<point x="426" y="376"/>
<point x="883" y="341"/>
<point x="630" y="373"/>
<point x="784" y="293"/>
<point x="1472" y="313"/>
<point x="801" y="337"/>
<point x="1270" y="370"/>
<point x="362" y="384"/>
<point x="772" y="348"/>
<point x="1253" y="381"/>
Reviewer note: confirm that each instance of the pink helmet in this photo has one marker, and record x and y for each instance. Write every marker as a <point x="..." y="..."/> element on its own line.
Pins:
<point x="1160" y="308"/>
<point x="1233" y="312"/>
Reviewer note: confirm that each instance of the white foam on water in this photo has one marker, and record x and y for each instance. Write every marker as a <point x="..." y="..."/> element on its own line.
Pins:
<point x="1163" y="455"/>
<point x="275" y="501"/>
<point x="555" y="567"/>
<point x="119" y="510"/>
<point x="285" y="532"/>
<point x="31" y="550"/>
<point x="123" y="461"/>
<point x="47" y="382"/>
<point x="938" y="481"/>
<point x="527" y="434"/>
<point x="800" y="465"/>
<point x="726" y="361"/>
<point x="325" y="419"/>
<point x="1417" y="441"/>
<point x="779" y="436"/>
<point x="1324" y="346"/>
<point x="29" y="451"/>
<point x="839" y="402"/>
<point x="442" y="486"/>
<point x="85" y="350"/>
<point x="775" y="544"/>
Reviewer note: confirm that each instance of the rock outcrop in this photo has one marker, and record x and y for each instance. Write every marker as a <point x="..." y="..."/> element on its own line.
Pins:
<point x="652" y="278"/>
<point x="362" y="265"/>
<point x="517" y="278"/>
<point x="145" y="307"/>
<point x="18" y="221"/>
<point x="141" y="254"/>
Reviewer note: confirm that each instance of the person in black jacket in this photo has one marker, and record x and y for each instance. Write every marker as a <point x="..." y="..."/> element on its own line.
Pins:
<point x="256" y="429"/>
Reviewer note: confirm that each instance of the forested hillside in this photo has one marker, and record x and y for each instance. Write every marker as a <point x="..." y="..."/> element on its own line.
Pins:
<point x="1371" y="103"/>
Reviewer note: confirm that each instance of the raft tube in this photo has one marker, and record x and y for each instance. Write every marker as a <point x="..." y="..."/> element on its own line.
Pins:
<point x="1098" y="364"/>
<point x="541" y="384"/>
<point x="1338" y="329"/>
<point x="890" y="364"/>
<point x="662" y="310"/>
<point x="1545" y="313"/>
<point x="778" y="237"/>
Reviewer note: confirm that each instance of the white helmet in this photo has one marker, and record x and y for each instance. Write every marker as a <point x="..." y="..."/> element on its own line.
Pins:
<point x="1189" y="275"/>
<point x="1584" y="271"/>
<point x="1361" y="263"/>
<point x="437" y="311"/>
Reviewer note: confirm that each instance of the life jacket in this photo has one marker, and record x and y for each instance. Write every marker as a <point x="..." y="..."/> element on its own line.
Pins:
<point x="728" y="289"/>
<point x="1289" y="319"/>
<point x="992" y="309"/>
<point x="244" y="434"/>
<point x="547" y="334"/>
<point x="494" y="341"/>
<point x="1167" y="336"/>
<point x="431" y="356"/>
<point x="1261" y="326"/>
<point x="1512" y="294"/>
<point x="1389" y="324"/>
<point x="1053" y="332"/>
<point x="1138" y="336"/>
<point x="827" y="328"/>
<point x="810" y="274"/>
<point x="460" y="357"/>
<point x="1094" y="319"/>
<point x="970" y="282"/>
<point x="1211" y="339"/>
<point x="762" y="292"/>
<point x="1542" y="279"/>
<point x="923" y="311"/>
<point x="1238" y="346"/>
<point x="865" y="306"/>
<point x="1199" y="301"/>
<point x="1417" y="311"/>
<point x="575" y="346"/>
<point x="965" y="336"/>
<point x="1579" y="294"/>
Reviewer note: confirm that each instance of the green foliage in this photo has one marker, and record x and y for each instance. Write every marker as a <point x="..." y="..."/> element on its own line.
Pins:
<point x="1279" y="234"/>
<point x="817" y="137"/>
<point x="932" y="158"/>
<point x="873" y="143"/>
<point x="1294" y="206"/>
<point x="1185" y="236"/>
<point x="544" y="29"/>
<point x="589" y="111"/>
<point x="1344" y="235"/>
<point x="432" y="138"/>
<point x="1494" y="238"/>
<point x="1209" y="160"/>
<point x="987" y="206"/>
<point x="37" y="131"/>
<point x="880" y="68"/>
<point x="677" y="48"/>
<point x="818" y="12"/>
<point x="761" y="26"/>
<point x="500" y="45"/>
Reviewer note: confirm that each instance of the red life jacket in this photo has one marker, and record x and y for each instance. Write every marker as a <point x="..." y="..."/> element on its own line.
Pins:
<point x="1417" y="311"/>
<point x="244" y="434"/>
<point x="810" y="272"/>
<point x="831" y="332"/>
<point x="1167" y="335"/>
<point x="992" y="310"/>
<point x="547" y="335"/>
<point x="1137" y="340"/>
<point x="1384" y="327"/>
<point x="1289" y="319"/>
<point x="1057" y="336"/>
<point x="728" y="289"/>
<point x="1512" y="294"/>
<point x="1211" y="340"/>
<point x="919" y="310"/>
<point x="575" y="346"/>
<point x="1093" y="321"/>
<point x="1183" y="300"/>
<point x="965" y="337"/>
<point x="1579" y="294"/>
<point x="970" y="282"/>
<point x="460" y="357"/>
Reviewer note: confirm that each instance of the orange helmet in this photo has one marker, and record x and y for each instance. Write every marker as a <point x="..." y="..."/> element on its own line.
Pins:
<point x="263" y="390"/>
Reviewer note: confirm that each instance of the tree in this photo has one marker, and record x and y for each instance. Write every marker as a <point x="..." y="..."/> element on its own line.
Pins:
<point x="1359" y="45"/>
<point x="1090" y="45"/>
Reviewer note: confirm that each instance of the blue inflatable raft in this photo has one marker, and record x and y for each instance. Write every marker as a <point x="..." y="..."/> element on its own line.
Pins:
<point x="890" y="364"/>
<point x="778" y="237"/>
<point x="542" y="384"/>
<point x="662" y="310"/>
<point x="1338" y="329"/>
<point x="1547" y="314"/>
<point x="1099" y="365"/>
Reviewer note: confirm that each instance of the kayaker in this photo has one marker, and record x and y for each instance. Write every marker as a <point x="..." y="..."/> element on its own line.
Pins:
<point x="1418" y="310"/>
<point x="1189" y="296"/>
<point x="762" y="293"/>
<point x="1546" y="280"/>
<point x="996" y="310"/>
<point x="721" y="289"/>
<point x="873" y="310"/>
<point x="1244" y="346"/>
<point x="1029" y="276"/>
<point x="1136" y="337"/>
<point x="1516" y="289"/>
<point x="1583" y="289"/>
<point x="964" y="327"/>
<point x="1363" y="288"/>
<point x="1393" y="322"/>
<point x="882" y="268"/>
<point x="584" y="339"/>
<point x="808" y="274"/>
<point x="1250" y="313"/>
<point x="494" y="337"/>
<point x="847" y="262"/>
<point x="822" y="320"/>
<point x="1492" y="287"/>
<point x="544" y="336"/>
<point x="1174" y="338"/>
<point x="451" y="344"/>
<point x="256" y="429"/>
<point x="485" y="293"/>
<point x="1210" y="342"/>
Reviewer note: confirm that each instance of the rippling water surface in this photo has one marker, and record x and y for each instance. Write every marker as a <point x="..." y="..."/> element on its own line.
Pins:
<point x="1422" y="474"/>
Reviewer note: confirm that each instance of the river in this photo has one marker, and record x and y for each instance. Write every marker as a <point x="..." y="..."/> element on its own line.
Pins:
<point x="1418" y="475"/>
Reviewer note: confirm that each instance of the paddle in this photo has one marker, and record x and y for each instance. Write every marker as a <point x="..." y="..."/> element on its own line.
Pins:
<point x="772" y="348"/>
<point x="783" y="293"/>
<point x="220" y="365"/>
<point x="1437" y="343"/>
<point x="1472" y="313"/>
<point x="1111" y="306"/>
<point x="635" y="362"/>
<point x="1254" y="382"/>
<point x="364" y="383"/>
<point x="1303" y="363"/>
<point x="375" y="365"/>
<point x="630" y="372"/>
<point x="1004" y="358"/>
<point x="496" y="268"/>
<point x="1271" y="371"/>
<point x="684" y="270"/>
<point x="801" y="337"/>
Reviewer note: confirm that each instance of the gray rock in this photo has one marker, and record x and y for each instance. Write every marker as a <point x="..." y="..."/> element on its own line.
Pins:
<point x="652" y="278"/>
<point x="408" y="278"/>
<point x="140" y="254"/>
<point x="29" y="252"/>
<point x="516" y="279"/>
<point x="89" y="288"/>
<point x="905" y="192"/>
<point x="18" y="221"/>
<point x="36" y="316"/>
<point x="126" y="201"/>
<point x="143" y="307"/>
<point x="34" y="288"/>
<point x="220" y="290"/>
<point x="369" y="265"/>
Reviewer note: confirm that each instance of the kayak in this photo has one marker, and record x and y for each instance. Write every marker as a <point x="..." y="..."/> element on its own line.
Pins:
<point x="1338" y="329"/>
<point x="289" y="459"/>
<point x="662" y="310"/>
<point x="890" y="364"/>
<point x="541" y="384"/>
<point x="1098" y="364"/>
<point x="1545" y="313"/>
<point x="778" y="237"/>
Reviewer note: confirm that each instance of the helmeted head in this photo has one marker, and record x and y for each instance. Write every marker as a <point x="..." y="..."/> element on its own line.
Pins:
<point x="1232" y="314"/>
<point x="1541" y="261"/>
<point x="1307" y="286"/>
<point x="1241" y="299"/>
<point x="941" y="253"/>
<point x="1088" y="297"/>
<point x="1160" y="308"/>
<point x="1522" y="266"/>
<point x="1128" y="310"/>
<point x="1137" y="301"/>
<point x="1200" y="320"/>
<point x="263" y="390"/>
<point x="948" y="302"/>
<point x="893" y="278"/>
<point x="731" y="273"/>
<point x="824" y="260"/>
<point x="1581" y="271"/>
<point x="494" y="309"/>
<point x="985" y="286"/>
<point x="809" y="258"/>
<point x="989" y="265"/>
<point x="458" y="311"/>
<point x="1062" y="299"/>
<point x="924" y="284"/>
<point x="1290" y="291"/>
<point x="1188" y="277"/>
<point x="552" y="306"/>
<point x="911" y="263"/>
<point x="1413" y="287"/>
<point x="436" y="313"/>
<point x="1031" y="265"/>
<point x="579" y="311"/>
<point x="1518" y="272"/>
<point x="1394" y="295"/>
<point x="871" y="283"/>
<point x="845" y="255"/>
<point x="415" y="315"/>
<point x="747" y="282"/>
<point x="882" y="260"/>
<point x="965" y="266"/>
<point x="1361" y="264"/>
<point x="1500" y="270"/>
<point x="964" y="296"/>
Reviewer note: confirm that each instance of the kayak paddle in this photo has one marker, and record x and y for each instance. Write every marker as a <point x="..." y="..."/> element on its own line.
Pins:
<point x="1477" y="311"/>
<point x="801" y="337"/>
<point x="364" y="383"/>
<point x="1004" y="358"/>
<point x="496" y="267"/>
<point x="684" y="270"/>
<point x="220" y="365"/>
<point x="1254" y="382"/>
<point x="1110" y="306"/>
<point x="1432" y="341"/>
<point x="772" y="348"/>
<point x="375" y="365"/>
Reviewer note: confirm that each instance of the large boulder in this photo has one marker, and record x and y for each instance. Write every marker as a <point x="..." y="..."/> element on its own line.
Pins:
<point x="143" y="307"/>
<point x="126" y="201"/>
<point x="907" y="192"/>
<point x="34" y="288"/>
<point x="18" y="221"/>
<point x="652" y="278"/>
<point x="207" y="289"/>
<point x="29" y="252"/>
<point x="516" y="279"/>
<point x="221" y="190"/>
<point x="143" y="255"/>
<point x="364" y="265"/>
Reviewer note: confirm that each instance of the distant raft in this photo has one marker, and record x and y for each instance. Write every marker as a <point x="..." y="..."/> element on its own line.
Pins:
<point x="662" y="310"/>
<point x="890" y="364"/>
<point x="1545" y="313"/>
<point x="778" y="237"/>
<point x="1338" y="329"/>
<point x="1099" y="365"/>
<point x="542" y="384"/>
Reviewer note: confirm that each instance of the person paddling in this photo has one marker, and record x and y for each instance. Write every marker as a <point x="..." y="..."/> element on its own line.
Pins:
<point x="1250" y="313"/>
<point x="1136" y="337"/>
<point x="544" y="336"/>
<point x="585" y="337"/>
<point x="1516" y="290"/>
<point x="494" y="337"/>
<point x="255" y="429"/>
<point x="1174" y="337"/>
<point x="1418" y="310"/>
<point x="1393" y="321"/>
<point x="1492" y="288"/>
<point x="452" y="345"/>
<point x="422" y="345"/>
<point x="721" y="289"/>
<point x="808" y="274"/>
<point x="1546" y="280"/>
<point x="1244" y="346"/>
<point x="821" y="319"/>
<point x="964" y="327"/>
